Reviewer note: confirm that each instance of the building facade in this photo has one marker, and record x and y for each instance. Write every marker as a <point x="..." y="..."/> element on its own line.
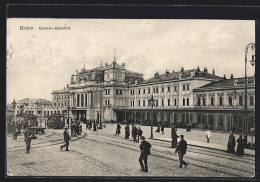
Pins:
<point x="195" y="97"/>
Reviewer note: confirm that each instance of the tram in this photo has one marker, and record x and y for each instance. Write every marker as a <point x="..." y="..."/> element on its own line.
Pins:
<point x="56" y="121"/>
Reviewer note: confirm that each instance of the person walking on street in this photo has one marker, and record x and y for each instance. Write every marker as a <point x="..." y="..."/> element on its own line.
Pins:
<point x="208" y="135"/>
<point x="181" y="149"/>
<point x="162" y="128"/>
<point x="27" y="138"/>
<point x="135" y="130"/>
<point x="139" y="133"/>
<point x="118" y="127"/>
<point x="240" y="146"/>
<point x="66" y="139"/>
<point x="174" y="137"/>
<point x="15" y="133"/>
<point x="127" y="133"/>
<point x="145" y="151"/>
<point x="231" y="143"/>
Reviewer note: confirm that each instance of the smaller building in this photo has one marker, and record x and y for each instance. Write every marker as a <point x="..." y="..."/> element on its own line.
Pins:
<point x="220" y="105"/>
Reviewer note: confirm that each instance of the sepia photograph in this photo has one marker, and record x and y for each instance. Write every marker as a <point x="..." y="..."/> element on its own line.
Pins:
<point x="130" y="97"/>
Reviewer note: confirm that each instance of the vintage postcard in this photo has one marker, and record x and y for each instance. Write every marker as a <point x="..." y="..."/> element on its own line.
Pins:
<point x="130" y="97"/>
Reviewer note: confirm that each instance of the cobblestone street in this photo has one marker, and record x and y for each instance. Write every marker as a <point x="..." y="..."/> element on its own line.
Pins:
<point x="103" y="154"/>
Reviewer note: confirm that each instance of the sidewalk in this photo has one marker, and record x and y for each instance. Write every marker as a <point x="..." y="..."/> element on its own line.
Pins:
<point x="195" y="137"/>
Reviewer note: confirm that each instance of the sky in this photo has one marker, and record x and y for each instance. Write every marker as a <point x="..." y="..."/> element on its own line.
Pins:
<point x="40" y="61"/>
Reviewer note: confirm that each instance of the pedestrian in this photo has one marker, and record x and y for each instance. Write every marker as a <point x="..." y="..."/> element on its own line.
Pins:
<point x="208" y="135"/>
<point x="181" y="149"/>
<point x="162" y="128"/>
<point x="94" y="126"/>
<point x="67" y="139"/>
<point x="158" y="128"/>
<point x="27" y="138"/>
<point x="240" y="146"/>
<point x="132" y="130"/>
<point x="174" y="137"/>
<point x="127" y="133"/>
<point x="231" y="143"/>
<point x="72" y="129"/>
<point x="15" y="133"/>
<point x="135" y="130"/>
<point x="139" y="133"/>
<point x="145" y="151"/>
<point x="118" y="127"/>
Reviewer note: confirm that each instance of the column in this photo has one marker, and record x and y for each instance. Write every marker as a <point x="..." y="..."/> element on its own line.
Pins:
<point x="207" y="121"/>
<point x="189" y="119"/>
<point x="125" y="115"/>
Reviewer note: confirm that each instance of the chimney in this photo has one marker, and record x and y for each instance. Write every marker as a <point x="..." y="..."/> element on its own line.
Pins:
<point x="231" y="76"/>
<point x="213" y="72"/>
<point x="156" y="75"/>
<point x="198" y="69"/>
<point x="182" y="69"/>
<point x="224" y="78"/>
<point x="205" y="70"/>
<point x="167" y="72"/>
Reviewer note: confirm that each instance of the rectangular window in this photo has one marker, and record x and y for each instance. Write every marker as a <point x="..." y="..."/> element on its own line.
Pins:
<point x="121" y="92"/>
<point x="149" y="90"/>
<point x="183" y="87"/>
<point x="139" y="91"/>
<point x="156" y="102"/>
<point x="162" y="89"/>
<point x="143" y="102"/>
<point x="82" y="100"/>
<point x="188" y="87"/>
<point x="77" y="100"/>
<point x="116" y="92"/>
<point x="175" y="88"/>
<point x="169" y="102"/>
<point x="169" y="88"/>
<point x="139" y="103"/>
<point x="157" y="90"/>
<point x="143" y="91"/>
<point x="86" y="99"/>
<point x="162" y="102"/>
<point x="107" y="92"/>
<point x="183" y="102"/>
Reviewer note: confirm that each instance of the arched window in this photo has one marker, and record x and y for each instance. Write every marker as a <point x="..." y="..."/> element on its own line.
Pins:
<point x="251" y="100"/>
<point x="212" y="101"/>
<point x="204" y="101"/>
<point x="188" y="101"/>
<point x="230" y="101"/>
<point x="198" y="103"/>
<point x="240" y="100"/>
<point x="220" y="101"/>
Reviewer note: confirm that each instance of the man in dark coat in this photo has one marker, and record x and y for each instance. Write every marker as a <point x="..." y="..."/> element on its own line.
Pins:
<point x="135" y="130"/>
<point x="66" y="139"/>
<point x="231" y="143"/>
<point x="162" y="128"/>
<point x="139" y="133"/>
<point x="174" y="137"/>
<point x="118" y="127"/>
<point x="145" y="151"/>
<point x="181" y="149"/>
<point x="27" y="138"/>
<point x="127" y="133"/>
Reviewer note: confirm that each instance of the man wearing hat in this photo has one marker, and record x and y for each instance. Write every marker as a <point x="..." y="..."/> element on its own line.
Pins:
<point x="145" y="151"/>
<point x="181" y="149"/>
<point x="174" y="137"/>
<point x="66" y="139"/>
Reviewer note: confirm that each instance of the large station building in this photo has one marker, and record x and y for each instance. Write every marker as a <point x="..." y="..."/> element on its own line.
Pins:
<point x="196" y="97"/>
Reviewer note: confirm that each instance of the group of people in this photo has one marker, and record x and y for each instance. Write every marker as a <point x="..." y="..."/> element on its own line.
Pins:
<point x="158" y="128"/>
<point x="135" y="133"/>
<point x="90" y="124"/>
<point x="76" y="129"/>
<point x="232" y="143"/>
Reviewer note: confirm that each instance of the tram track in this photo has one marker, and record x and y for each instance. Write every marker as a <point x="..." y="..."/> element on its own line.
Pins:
<point x="215" y="166"/>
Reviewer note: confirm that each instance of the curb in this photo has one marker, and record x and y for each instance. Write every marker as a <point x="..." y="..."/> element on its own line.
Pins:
<point x="201" y="146"/>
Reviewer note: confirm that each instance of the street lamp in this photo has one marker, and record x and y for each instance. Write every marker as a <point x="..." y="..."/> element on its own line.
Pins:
<point x="152" y="101"/>
<point x="68" y="122"/>
<point x="252" y="47"/>
<point x="14" y="107"/>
